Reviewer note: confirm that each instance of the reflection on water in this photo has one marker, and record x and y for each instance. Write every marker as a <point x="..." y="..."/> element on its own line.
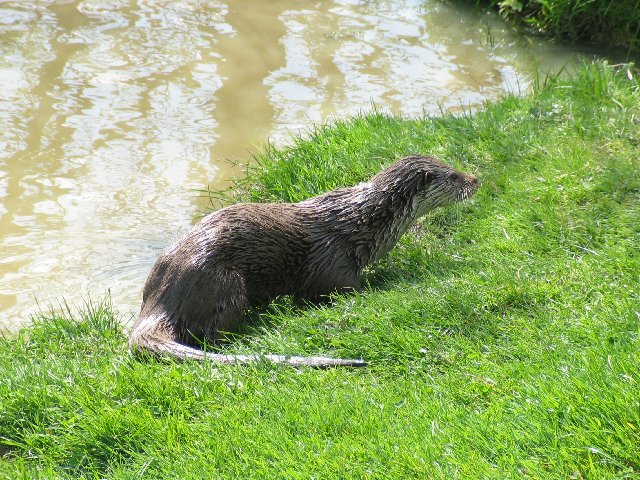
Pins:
<point x="112" y="113"/>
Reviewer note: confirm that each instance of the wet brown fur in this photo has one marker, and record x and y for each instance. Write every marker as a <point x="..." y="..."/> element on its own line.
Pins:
<point x="248" y="253"/>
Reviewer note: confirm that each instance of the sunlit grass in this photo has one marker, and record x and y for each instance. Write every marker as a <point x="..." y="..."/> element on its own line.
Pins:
<point x="502" y="333"/>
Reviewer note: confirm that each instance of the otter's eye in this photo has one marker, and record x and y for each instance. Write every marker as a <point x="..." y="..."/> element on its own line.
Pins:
<point x="454" y="177"/>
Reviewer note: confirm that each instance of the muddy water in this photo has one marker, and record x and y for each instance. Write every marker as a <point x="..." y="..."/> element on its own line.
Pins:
<point x="113" y="113"/>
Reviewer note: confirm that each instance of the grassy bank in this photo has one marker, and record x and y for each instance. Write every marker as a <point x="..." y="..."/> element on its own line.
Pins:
<point x="610" y="22"/>
<point x="503" y="334"/>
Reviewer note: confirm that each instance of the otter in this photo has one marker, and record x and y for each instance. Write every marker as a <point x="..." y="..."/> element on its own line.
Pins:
<point x="248" y="253"/>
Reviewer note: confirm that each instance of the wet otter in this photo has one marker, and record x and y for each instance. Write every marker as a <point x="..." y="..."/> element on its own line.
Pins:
<point x="248" y="253"/>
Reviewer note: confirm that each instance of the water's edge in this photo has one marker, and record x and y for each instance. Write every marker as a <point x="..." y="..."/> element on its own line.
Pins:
<point x="116" y="114"/>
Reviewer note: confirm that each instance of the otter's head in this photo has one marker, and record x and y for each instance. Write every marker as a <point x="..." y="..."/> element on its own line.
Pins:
<point x="429" y="182"/>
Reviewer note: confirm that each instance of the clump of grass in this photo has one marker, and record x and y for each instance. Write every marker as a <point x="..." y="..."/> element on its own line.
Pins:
<point x="503" y="334"/>
<point x="611" y="22"/>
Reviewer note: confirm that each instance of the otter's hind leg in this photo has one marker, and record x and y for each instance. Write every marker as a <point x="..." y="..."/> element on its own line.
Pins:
<point x="215" y="308"/>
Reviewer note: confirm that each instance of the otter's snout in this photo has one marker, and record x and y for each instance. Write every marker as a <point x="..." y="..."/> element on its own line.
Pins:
<point x="473" y="181"/>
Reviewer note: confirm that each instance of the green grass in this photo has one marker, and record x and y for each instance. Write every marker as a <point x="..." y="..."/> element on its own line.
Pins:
<point x="611" y="22"/>
<point x="503" y="334"/>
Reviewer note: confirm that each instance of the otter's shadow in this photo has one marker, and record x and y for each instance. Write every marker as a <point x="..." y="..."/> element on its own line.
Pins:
<point x="263" y="319"/>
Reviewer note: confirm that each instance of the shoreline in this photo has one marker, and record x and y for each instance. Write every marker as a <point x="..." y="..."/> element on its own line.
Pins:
<point x="605" y="23"/>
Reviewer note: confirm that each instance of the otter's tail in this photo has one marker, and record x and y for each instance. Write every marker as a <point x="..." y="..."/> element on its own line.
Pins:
<point x="161" y="345"/>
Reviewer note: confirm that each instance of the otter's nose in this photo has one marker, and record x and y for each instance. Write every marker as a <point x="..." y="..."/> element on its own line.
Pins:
<point x="472" y="179"/>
